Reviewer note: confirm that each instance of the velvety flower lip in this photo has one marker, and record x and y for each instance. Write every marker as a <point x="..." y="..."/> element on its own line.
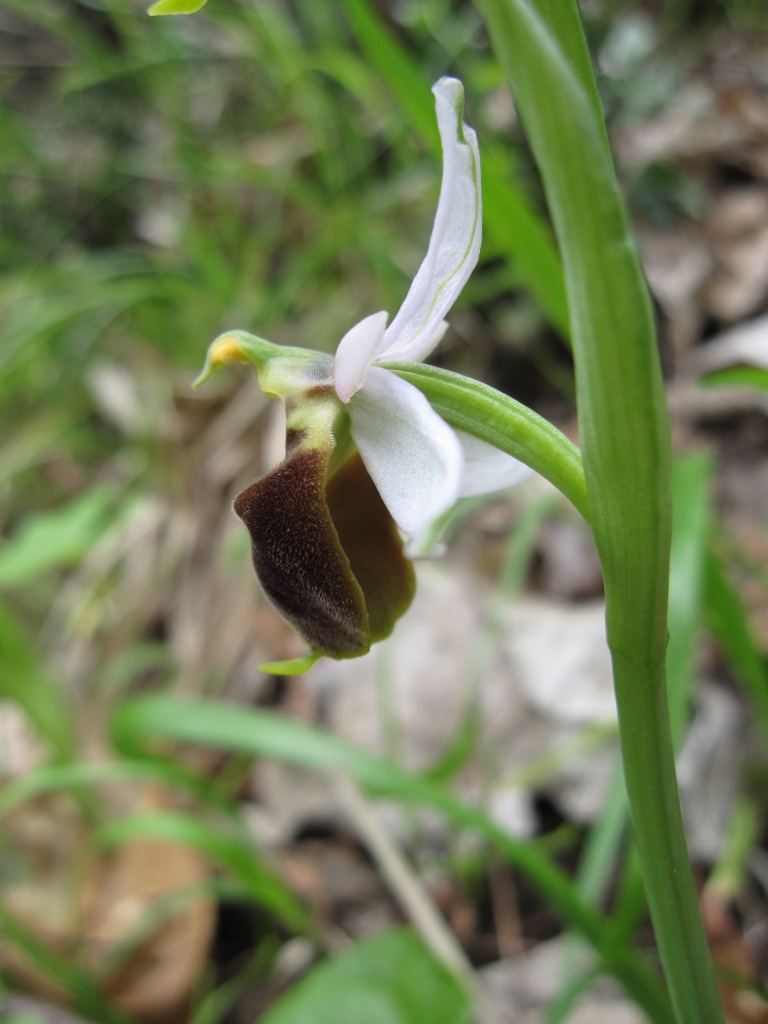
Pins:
<point x="420" y="465"/>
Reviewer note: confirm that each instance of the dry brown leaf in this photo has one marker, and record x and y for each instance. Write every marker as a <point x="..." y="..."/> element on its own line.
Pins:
<point x="156" y="981"/>
<point x="84" y="904"/>
<point x="736" y="967"/>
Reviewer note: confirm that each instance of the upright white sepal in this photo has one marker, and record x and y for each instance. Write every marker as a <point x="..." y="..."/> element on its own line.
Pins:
<point x="411" y="454"/>
<point x="486" y="469"/>
<point x="455" y="243"/>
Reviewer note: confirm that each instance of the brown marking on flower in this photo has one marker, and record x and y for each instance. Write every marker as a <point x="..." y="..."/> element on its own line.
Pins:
<point x="298" y="558"/>
<point x="319" y="391"/>
<point x="293" y="438"/>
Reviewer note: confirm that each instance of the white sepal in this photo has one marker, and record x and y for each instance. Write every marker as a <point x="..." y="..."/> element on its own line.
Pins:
<point x="486" y="469"/>
<point x="455" y="243"/>
<point x="412" y="455"/>
<point x="426" y="346"/>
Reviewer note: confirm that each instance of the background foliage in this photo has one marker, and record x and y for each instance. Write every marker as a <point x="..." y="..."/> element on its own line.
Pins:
<point x="271" y="167"/>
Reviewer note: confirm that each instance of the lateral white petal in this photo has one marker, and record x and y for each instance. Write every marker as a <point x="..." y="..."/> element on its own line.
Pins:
<point x="355" y="353"/>
<point x="455" y="243"/>
<point x="412" y="455"/>
<point x="486" y="469"/>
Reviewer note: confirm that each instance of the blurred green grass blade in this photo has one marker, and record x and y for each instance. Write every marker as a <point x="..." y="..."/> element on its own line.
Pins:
<point x="518" y="552"/>
<point x="745" y="376"/>
<point x="389" y="979"/>
<point x="503" y="422"/>
<point x="39" y="307"/>
<point x="141" y="722"/>
<point x="730" y="875"/>
<point x="401" y="73"/>
<point x="631" y="904"/>
<point x="86" y="775"/>
<point x="53" y="540"/>
<point x="229" y="850"/>
<point x="726" y="617"/>
<point x="217" y="1005"/>
<point x="690" y="531"/>
<point x="25" y="449"/>
<point x="520" y="233"/>
<point x="597" y="865"/>
<point x="575" y="987"/>
<point x="49" y="17"/>
<point x="25" y="681"/>
<point x="83" y="993"/>
<point x="176" y="7"/>
<point x="603" y="845"/>
<point x="509" y="217"/>
<point x="155" y="915"/>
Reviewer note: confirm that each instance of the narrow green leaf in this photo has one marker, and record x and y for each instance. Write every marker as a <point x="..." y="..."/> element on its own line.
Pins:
<point x="24" y="680"/>
<point x="575" y="987"/>
<point x="52" y="540"/>
<point x="730" y="875"/>
<point x="176" y="7"/>
<point x="727" y="618"/>
<point x="85" y="775"/>
<point x="81" y="990"/>
<point x="745" y="376"/>
<point x="139" y="723"/>
<point x="226" y="848"/>
<point x="519" y="232"/>
<point x="217" y="1006"/>
<point x="597" y="865"/>
<point x="518" y="553"/>
<point x="690" y="530"/>
<point x="389" y="979"/>
<point x="155" y="915"/>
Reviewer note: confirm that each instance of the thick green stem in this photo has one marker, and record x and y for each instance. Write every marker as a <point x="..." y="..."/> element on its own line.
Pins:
<point x="625" y="447"/>
<point x="649" y="770"/>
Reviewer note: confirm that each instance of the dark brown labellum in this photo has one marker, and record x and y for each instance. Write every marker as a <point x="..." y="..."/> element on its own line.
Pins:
<point x="328" y="556"/>
<point x="298" y="558"/>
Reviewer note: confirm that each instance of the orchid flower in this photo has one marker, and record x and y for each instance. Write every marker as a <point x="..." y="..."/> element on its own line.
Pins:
<point x="365" y="451"/>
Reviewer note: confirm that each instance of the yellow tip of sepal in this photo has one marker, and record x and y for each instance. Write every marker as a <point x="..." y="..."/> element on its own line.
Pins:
<point x="224" y="350"/>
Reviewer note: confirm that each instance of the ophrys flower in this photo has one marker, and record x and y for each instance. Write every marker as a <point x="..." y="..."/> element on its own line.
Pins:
<point x="364" y="449"/>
